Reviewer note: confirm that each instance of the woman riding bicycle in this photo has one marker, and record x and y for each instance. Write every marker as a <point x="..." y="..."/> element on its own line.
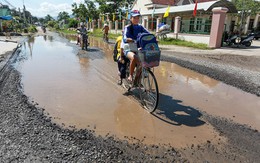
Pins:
<point x="130" y="36"/>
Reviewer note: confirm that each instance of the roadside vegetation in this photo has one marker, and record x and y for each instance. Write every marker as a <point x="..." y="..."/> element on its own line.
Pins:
<point x="172" y="41"/>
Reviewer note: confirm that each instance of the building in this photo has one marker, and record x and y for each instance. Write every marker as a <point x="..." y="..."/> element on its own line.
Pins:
<point x="190" y="26"/>
<point x="4" y="11"/>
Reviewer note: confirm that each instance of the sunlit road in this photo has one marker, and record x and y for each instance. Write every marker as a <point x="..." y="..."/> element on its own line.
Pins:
<point x="78" y="88"/>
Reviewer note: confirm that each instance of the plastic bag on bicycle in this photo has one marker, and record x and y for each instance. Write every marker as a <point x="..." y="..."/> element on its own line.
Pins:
<point x="130" y="47"/>
<point x="150" y="53"/>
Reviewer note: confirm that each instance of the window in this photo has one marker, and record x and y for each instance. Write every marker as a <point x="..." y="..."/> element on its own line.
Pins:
<point x="198" y="24"/>
<point x="251" y="24"/>
<point x="232" y="26"/>
<point x="192" y="21"/>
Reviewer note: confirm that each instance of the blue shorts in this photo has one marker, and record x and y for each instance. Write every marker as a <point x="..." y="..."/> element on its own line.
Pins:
<point x="125" y="52"/>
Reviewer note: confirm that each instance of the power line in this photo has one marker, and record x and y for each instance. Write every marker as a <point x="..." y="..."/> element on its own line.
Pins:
<point x="9" y="4"/>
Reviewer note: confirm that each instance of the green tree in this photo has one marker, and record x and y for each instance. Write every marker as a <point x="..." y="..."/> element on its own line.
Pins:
<point x="51" y="23"/>
<point x="63" y="16"/>
<point x="86" y="10"/>
<point x="35" y="19"/>
<point x="80" y="12"/>
<point x="110" y="6"/>
<point x="246" y="8"/>
<point x="48" y="18"/>
<point x="72" y="23"/>
<point x="93" y="13"/>
<point x="41" y="20"/>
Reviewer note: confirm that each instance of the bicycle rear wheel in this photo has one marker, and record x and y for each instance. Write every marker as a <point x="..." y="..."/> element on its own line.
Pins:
<point x="126" y="85"/>
<point x="149" y="92"/>
<point x="107" y="38"/>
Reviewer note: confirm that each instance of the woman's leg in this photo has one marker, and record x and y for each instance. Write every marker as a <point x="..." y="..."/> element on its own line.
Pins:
<point x="131" y="57"/>
<point x="78" y="42"/>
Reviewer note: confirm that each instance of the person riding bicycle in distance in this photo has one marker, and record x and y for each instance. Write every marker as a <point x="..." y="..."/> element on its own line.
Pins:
<point x="131" y="32"/>
<point x="105" y="29"/>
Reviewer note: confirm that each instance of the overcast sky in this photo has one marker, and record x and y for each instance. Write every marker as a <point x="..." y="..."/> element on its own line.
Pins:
<point x="41" y="8"/>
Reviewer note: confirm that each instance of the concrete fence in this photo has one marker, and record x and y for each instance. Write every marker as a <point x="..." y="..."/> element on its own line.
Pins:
<point x="213" y="40"/>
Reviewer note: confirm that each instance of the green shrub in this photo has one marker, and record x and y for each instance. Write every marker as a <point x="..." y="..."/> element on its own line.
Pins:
<point x="32" y="29"/>
<point x="51" y="23"/>
<point x="25" y="30"/>
<point x="56" y="26"/>
<point x="18" y="27"/>
<point x="73" y="23"/>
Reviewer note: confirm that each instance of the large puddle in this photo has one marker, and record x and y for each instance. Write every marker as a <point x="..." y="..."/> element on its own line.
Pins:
<point x="82" y="92"/>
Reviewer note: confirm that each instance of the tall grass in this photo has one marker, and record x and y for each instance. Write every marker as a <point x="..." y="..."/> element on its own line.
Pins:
<point x="172" y="41"/>
<point x="99" y="33"/>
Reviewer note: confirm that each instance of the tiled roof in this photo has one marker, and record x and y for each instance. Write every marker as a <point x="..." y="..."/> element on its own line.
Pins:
<point x="173" y="2"/>
<point x="165" y="2"/>
<point x="200" y="1"/>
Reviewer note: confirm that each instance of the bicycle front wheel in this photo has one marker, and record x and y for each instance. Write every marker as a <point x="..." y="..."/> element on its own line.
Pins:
<point x="164" y="36"/>
<point x="149" y="92"/>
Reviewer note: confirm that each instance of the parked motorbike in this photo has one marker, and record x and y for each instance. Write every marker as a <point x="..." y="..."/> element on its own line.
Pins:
<point x="256" y="34"/>
<point x="237" y="40"/>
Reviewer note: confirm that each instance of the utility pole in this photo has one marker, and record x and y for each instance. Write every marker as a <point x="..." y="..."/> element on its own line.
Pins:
<point x="24" y="18"/>
<point x="9" y="4"/>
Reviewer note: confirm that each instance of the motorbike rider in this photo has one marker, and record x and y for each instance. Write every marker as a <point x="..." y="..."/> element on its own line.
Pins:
<point x="130" y="36"/>
<point x="43" y="28"/>
<point x="82" y="30"/>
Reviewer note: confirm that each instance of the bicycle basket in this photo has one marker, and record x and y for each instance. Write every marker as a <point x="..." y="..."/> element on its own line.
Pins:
<point x="150" y="53"/>
<point x="150" y="58"/>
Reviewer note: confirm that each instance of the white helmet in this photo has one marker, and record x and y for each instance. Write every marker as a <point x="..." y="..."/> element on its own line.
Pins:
<point x="81" y="24"/>
<point x="105" y="25"/>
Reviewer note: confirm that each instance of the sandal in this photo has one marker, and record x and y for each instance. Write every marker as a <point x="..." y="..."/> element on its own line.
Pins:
<point x="119" y="81"/>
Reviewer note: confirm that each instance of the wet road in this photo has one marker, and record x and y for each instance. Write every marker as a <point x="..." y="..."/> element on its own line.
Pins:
<point x="79" y="88"/>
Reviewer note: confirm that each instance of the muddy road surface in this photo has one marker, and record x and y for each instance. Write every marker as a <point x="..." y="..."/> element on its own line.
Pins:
<point x="64" y="105"/>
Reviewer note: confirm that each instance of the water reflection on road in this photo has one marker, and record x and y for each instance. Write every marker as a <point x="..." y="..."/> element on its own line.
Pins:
<point x="79" y="88"/>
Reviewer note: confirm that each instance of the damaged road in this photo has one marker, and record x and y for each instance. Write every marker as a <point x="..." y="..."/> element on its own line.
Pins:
<point x="27" y="133"/>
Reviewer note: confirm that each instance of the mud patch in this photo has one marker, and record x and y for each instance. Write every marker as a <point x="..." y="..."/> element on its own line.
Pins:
<point x="244" y="75"/>
<point x="27" y="134"/>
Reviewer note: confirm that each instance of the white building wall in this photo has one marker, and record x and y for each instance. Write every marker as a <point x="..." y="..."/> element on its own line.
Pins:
<point x="256" y="20"/>
<point x="228" y="22"/>
<point x="196" y="38"/>
<point x="140" y="5"/>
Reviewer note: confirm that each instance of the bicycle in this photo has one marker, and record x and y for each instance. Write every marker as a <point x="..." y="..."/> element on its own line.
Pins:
<point x="145" y="80"/>
<point x="105" y="37"/>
